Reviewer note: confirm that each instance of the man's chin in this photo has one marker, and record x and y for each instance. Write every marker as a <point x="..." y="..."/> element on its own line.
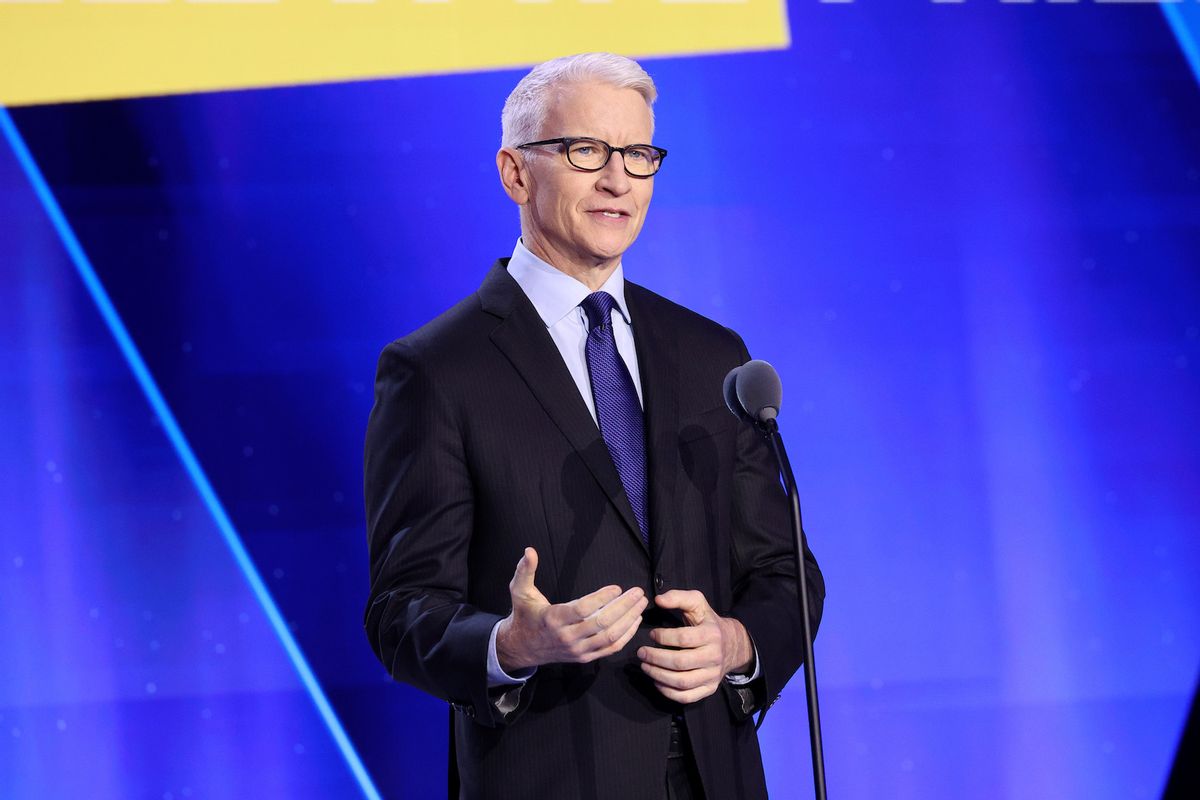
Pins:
<point x="608" y="253"/>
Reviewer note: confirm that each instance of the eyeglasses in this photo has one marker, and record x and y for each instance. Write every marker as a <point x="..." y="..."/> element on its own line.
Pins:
<point x="592" y="155"/>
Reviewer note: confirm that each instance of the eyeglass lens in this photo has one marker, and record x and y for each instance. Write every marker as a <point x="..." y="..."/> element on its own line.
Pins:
<point x="594" y="154"/>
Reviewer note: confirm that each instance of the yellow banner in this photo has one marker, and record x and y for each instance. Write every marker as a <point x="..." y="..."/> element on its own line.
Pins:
<point x="65" y="50"/>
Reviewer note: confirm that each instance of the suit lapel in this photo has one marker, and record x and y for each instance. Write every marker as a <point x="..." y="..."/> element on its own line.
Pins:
<point x="657" y="353"/>
<point x="522" y="337"/>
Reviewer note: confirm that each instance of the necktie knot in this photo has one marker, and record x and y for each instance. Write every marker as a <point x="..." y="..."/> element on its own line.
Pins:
<point x="598" y="306"/>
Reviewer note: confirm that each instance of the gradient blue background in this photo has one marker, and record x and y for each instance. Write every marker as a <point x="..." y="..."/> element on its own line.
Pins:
<point x="967" y="236"/>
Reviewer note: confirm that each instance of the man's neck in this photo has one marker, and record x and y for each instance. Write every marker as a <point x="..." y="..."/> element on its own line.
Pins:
<point x="592" y="276"/>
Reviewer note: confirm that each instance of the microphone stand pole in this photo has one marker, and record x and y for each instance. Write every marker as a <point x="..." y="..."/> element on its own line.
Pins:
<point x="770" y="429"/>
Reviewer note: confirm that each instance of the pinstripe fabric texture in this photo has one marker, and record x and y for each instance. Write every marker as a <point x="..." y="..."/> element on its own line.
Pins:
<point x="479" y="445"/>
<point x="617" y="408"/>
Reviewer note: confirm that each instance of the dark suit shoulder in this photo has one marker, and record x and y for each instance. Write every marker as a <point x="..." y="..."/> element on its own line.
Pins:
<point x="451" y="343"/>
<point x="454" y="350"/>
<point x="447" y="330"/>
<point x="691" y="326"/>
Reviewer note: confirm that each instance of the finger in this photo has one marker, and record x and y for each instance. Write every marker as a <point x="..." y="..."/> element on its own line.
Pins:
<point x="692" y="636"/>
<point x="582" y="607"/>
<point x="604" y="637"/>
<point x="688" y="696"/>
<point x="680" y="681"/>
<point x="566" y="618"/>
<point x="615" y="609"/>
<point x="679" y="660"/>
<point x="631" y="630"/>
<point x="607" y="648"/>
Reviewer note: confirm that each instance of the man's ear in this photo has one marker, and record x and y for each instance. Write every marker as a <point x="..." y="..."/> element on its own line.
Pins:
<point x="513" y="175"/>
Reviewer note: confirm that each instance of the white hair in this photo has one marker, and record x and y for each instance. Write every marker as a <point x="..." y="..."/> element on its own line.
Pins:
<point x="527" y="106"/>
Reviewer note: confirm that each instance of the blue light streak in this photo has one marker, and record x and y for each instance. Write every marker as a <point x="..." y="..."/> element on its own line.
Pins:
<point x="175" y="434"/>
<point x="1183" y="32"/>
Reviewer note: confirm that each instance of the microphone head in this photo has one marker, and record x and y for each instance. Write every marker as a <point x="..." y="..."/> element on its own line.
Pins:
<point x="759" y="390"/>
<point x="729" y="389"/>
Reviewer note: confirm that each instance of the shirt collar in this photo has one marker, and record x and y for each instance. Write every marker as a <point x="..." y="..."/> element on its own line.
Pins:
<point x="554" y="293"/>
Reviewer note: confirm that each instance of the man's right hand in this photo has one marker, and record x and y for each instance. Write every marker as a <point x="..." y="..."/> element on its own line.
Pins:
<point x="585" y="629"/>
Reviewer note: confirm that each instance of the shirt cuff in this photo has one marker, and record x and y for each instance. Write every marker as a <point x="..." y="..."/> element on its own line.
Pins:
<point x="735" y="679"/>
<point x="498" y="677"/>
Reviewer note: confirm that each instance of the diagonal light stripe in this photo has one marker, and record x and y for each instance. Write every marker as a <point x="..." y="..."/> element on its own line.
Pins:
<point x="1177" y="18"/>
<point x="175" y="434"/>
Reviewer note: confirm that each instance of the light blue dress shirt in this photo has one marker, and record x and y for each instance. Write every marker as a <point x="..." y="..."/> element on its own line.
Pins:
<point x="556" y="297"/>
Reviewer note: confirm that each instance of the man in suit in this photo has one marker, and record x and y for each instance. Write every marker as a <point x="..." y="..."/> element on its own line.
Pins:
<point x="571" y="539"/>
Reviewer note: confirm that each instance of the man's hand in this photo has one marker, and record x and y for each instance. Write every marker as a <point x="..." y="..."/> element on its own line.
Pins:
<point x="710" y="647"/>
<point x="585" y="629"/>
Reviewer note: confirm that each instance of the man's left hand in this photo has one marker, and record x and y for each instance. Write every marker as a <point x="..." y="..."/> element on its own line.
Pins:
<point x="709" y="648"/>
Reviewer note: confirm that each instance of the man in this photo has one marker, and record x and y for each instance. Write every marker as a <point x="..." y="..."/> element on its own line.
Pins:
<point x="570" y="423"/>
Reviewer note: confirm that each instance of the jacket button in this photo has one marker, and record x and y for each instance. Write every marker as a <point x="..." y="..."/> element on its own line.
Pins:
<point x="659" y="583"/>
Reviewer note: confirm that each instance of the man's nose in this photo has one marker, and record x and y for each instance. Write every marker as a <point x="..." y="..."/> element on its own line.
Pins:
<point x="613" y="177"/>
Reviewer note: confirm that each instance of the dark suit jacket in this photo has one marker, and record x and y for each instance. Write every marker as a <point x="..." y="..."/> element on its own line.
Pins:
<point x="479" y="445"/>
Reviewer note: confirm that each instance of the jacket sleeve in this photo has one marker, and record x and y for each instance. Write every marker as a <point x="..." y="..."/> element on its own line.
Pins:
<point x="420" y="517"/>
<point x="764" y="579"/>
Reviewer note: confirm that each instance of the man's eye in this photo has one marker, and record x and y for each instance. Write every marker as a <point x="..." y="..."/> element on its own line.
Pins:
<point x="639" y="155"/>
<point x="584" y="150"/>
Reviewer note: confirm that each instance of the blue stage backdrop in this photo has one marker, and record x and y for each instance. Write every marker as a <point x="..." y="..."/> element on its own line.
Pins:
<point x="968" y="236"/>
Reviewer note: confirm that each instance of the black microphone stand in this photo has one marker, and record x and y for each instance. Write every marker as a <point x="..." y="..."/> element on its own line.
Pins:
<point x="769" y="428"/>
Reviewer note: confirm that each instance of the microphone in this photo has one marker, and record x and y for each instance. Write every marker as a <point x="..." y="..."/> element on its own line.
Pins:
<point x="754" y="393"/>
<point x="757" y="390"/>
<point x="729" y="389"/>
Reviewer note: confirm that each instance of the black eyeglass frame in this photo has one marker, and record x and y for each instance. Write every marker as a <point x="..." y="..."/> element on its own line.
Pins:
<point x="567" y="141"/>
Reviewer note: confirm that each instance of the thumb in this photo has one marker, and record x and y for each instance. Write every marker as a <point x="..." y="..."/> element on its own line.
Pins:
<point x="692" y="603"/>
<point x="522" y="581"/>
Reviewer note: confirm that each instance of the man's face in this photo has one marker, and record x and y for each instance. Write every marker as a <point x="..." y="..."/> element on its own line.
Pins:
<point x="567" y="220"/>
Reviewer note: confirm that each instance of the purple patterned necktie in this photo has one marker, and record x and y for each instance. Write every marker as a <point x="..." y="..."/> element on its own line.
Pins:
<point x="617" y="406"/>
